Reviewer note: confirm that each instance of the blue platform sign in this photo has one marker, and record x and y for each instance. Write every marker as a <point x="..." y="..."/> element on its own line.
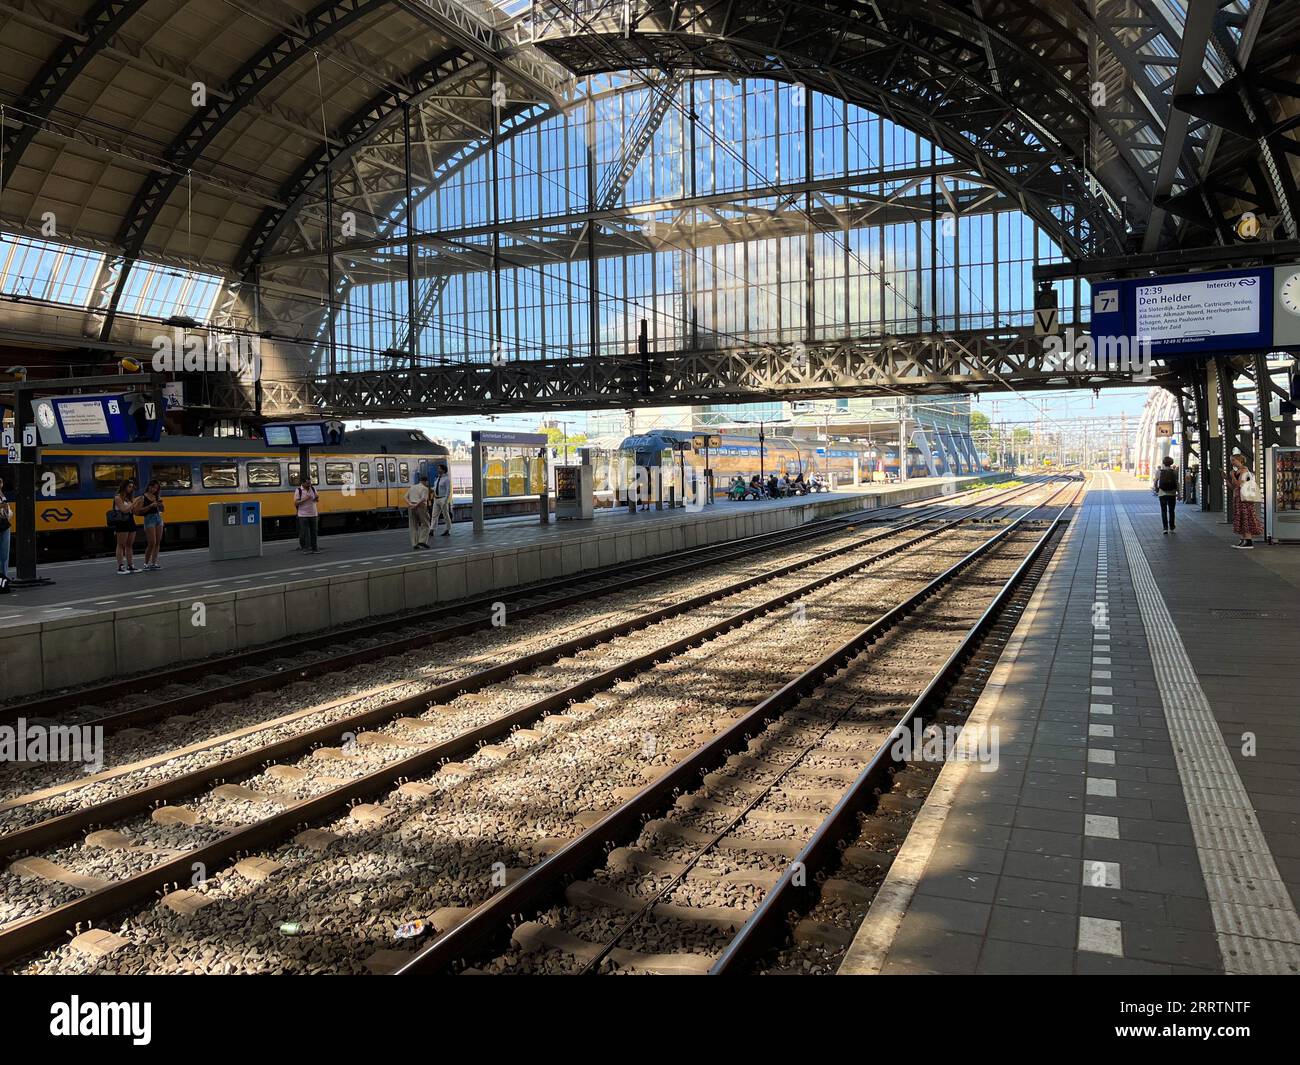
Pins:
<point x="104" y="419"/>
<point x="1226" y="310"/>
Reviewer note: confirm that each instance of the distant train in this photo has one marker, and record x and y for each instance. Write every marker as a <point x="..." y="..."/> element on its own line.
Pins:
<point x="361" y="484"/>
<point x="740" y="455"/>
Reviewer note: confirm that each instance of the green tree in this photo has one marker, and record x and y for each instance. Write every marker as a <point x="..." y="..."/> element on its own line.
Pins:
<point x="979" y="421"/>
<point x="555" y="437"/>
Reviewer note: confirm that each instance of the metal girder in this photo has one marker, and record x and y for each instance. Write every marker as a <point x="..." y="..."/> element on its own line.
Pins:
<point x="273" y="60"/>
<point x="71" y="57"/>
<point x="924" y="65"/>
<point x="1197" y="30"/>
<point x="663" y="92"/>
<point x="475" y="27"/>
<point x="670" y="213"/>
<point x="380" y="112"/>
<point x="956" y="362"/>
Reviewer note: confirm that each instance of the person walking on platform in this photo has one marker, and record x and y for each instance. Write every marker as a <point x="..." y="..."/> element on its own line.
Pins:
<point x="305" y="498"/>
<point x="441" y="501"/>
<point x="1165" y="486"/>
<point x="417" y="513"/>
<point x="1246" y="522"/>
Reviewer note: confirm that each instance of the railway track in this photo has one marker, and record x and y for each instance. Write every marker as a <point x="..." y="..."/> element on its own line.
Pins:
<point x="185" y="688"/>
<point x="256" y="734"/>
<point x="708" y="886"/>
<point x="406" y="752"/>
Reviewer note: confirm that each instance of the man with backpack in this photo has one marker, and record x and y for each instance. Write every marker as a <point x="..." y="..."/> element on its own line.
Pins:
<point x="1165" y="486"/>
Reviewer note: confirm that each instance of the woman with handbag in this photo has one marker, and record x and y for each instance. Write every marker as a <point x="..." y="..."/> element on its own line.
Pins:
<point x="1246" y="522"/>
<point x="122" y="521"/>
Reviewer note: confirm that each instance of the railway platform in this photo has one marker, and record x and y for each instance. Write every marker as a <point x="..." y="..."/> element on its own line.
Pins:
<point x="1143" y="813"/>
<point x="94" y="623"/>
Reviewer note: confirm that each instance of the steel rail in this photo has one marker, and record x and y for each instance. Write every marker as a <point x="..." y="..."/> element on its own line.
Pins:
<point x="24" y="936"/>
<point x="767" y="924"/>
<point x="482" y="930"/>
<point x="64" y="826"/>
<point x="49" y="705"/>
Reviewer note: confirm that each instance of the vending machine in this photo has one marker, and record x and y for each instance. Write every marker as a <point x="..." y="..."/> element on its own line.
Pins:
<point x="1282" y="495"/>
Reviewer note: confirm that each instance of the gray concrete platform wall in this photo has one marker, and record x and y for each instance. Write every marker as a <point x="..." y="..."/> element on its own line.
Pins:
<point x="89" y="647"/>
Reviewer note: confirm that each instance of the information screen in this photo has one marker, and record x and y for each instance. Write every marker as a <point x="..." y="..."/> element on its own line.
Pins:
<point x="310" y="433"/>
<point x="82" y="418"/>
<point x="1226" y="310"/>
<point x="278" y="436"/>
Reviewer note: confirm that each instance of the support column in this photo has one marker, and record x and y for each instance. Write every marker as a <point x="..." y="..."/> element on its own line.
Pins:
<point x="476" y="487"/>
<point x="1206" y="390"/>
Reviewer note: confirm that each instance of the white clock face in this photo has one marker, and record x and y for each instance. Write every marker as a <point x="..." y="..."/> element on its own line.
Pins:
<point x="45" y="415"/>
<point x="1290" y="294"/>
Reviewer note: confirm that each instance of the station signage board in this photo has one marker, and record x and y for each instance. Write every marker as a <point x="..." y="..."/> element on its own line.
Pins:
<point x="501" y="438"/>
<point x="117" y="418"/>
<point x="1188" y="314"/>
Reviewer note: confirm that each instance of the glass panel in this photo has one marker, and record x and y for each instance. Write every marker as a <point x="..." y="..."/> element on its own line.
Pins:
<point x="172" y="474"/>
<point x="220" y="475"/>
<point x="339" y="473"/>
<point x="264" y="475"/>
<point x="112" y="474"/>
<point x="67" y="475"/>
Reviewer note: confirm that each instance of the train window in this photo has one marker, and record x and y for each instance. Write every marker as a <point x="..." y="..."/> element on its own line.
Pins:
<point x="67" y="476"/>
<point x="364" y="467"/>
<point x="392" y="471"/>
<point x="264" y="475"/>
<point x="172" y="474"/>
<point x="339" y="473"/>
<point x="112" y="474"/>
<point x="293" y="473"/>
<point x="404" y="472"/>
<point x="379" y="467"/>
<point x="220" y="475"/>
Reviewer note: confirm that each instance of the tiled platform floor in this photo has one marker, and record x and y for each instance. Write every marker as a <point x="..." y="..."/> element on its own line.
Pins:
<point x="1144" y="815"/>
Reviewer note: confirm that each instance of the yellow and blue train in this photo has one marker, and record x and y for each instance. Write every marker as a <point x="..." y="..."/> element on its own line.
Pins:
<point x="361" y="484"/>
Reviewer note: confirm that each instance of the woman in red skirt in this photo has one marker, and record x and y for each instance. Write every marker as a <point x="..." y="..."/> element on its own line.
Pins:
<point x="1246" y="522"/>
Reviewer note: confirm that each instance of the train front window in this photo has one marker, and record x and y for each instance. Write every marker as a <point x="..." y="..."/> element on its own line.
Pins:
<point x="171" y="474"/>
<point x="112" y="474"/>
<point x="264" y="475"/>
<point x="220" y="475"/>
<point x="67" y="476"/>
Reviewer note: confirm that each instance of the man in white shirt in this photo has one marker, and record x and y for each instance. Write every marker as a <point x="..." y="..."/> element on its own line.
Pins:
<point x="417" y="513"/>
<point x="441" y="501"/>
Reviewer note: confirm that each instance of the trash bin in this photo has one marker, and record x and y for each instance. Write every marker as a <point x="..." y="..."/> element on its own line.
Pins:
<point x="234" y="530"/>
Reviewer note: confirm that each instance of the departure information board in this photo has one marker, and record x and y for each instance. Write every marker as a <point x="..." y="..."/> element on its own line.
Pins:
<point x="1229" y="310"/>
